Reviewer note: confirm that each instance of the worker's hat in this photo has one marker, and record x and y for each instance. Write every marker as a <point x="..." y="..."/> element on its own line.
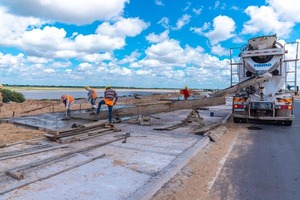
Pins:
<point x="108" y="86"/>
<point x="63" y="97"/>
<point x="86" y="87"/>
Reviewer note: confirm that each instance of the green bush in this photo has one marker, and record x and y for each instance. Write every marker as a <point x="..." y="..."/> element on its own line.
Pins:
<point x="9" y="95"/>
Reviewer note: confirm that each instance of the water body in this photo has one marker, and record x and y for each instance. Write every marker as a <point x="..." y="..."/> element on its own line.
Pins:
<point x="56" y="94"/>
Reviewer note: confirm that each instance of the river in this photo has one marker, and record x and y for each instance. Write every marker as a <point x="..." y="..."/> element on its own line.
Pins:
<point x="77" y="93"/>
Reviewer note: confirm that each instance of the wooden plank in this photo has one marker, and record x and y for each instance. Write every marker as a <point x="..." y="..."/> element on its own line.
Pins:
<point x="31" y="153"/>
<point x="50" y="159"/>
<point x="51" y="175"/>
<point x="175" y="126"/>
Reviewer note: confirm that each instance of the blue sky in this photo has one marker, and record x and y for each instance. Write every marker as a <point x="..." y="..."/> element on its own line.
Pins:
<point x="136" y="43"/>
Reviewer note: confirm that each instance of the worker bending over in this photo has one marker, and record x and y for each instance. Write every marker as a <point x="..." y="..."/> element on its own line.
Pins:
<point x="92" y="96"/>
<point x="110" y="99"/>
<point x="68" y="100"/>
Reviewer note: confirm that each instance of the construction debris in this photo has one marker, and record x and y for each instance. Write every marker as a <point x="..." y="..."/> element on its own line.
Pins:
<point x="20" y="176"/>
<point x="193" y="116"/>
<point x="81" y="132"/>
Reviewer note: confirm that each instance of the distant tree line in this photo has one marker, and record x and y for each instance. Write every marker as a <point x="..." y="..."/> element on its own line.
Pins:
<point x="62" y="86"/>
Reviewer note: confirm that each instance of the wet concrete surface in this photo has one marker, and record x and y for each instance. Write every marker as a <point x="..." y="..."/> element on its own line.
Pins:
<point x="48" y="121"/>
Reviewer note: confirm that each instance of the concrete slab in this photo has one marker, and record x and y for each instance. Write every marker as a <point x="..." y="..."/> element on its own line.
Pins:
<point x="131" y="170"/>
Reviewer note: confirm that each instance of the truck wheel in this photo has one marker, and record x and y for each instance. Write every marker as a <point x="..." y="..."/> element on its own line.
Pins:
<point x="285" y="123"/>
<point x="239" y="120"/>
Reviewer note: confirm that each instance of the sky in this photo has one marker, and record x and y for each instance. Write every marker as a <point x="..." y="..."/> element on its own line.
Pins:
<point x="134" y="43"/>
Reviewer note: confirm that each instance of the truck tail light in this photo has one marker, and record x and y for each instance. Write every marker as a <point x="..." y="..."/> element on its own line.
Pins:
<point x="285" y="107"/>
<point x="238" y="106"/>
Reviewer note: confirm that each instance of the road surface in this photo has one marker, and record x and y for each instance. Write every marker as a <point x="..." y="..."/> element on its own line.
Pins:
<point x="263" y="164"/>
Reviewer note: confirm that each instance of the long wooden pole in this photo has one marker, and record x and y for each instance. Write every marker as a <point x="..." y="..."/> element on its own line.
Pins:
<point x="40" y="162"/>
<point x="51" y="175"/>
<point x="149" y="109"/>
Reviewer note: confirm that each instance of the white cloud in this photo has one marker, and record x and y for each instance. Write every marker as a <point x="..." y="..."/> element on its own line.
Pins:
<point x="131" y="58"/>
<point x="223" y="29"/>
<point x="266" y="20"/>
<point x="287" y="10"/>
<point x="49" y="71"/>
<point x="184" y="20"/>
<point x="95" y="43"/>
<point x="78" y="12"/>
<point x="168" y="52"/>
<point x="217" y="3"/>
<point x="188" y="5"/>
<point x="34" y="59"/>
<point x="61" y="64"/>
<point x="123" y="27"/>
<point x="159" y="2"/>
<point x="46" y="38"/>
<point x="164" y="22"/>
<point x="12" y="27"/>
<point x="8" y="60"/>
<point x="96" y="57"/>
<point x="144" y="72"/>
<point x="235" y="8"/>
<point x="219" y="50"/>
<point x="197" y="11"/>
<point x="153" y="38"/>
<point x="84" y="67"/>
<point x="52" y="42"/>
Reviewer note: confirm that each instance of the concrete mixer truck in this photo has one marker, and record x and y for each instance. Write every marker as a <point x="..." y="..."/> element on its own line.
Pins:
<point x="263" y="78"/>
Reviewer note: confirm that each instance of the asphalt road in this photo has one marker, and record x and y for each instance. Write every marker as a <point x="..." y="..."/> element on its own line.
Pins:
<point x="263" y="164"/>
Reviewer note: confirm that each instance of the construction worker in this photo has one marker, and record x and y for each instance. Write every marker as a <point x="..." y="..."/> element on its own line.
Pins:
<point x="92" y="95"/>
<point x="185" y="92"/>
<point x="110" y="99"/>
<point x="68" y="100"/>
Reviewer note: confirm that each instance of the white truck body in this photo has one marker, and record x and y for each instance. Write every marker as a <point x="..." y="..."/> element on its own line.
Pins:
<point x="263" y="58"/>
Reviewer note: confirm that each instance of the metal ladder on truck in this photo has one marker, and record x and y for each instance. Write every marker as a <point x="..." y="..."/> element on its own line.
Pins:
<point x="291" y="71"/>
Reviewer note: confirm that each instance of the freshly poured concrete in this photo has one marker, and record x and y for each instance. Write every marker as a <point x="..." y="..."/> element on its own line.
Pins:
<point x="49" y="121"/>
<point x="128" y="171"/>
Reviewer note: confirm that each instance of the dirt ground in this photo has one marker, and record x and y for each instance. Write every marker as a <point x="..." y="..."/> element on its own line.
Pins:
<point x="195" y="180"/>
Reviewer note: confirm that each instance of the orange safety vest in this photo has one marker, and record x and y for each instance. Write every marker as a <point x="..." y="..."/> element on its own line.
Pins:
<point x="71" y="99"/>
<point x="94" y="94"/>
<point x="109" y="102"/>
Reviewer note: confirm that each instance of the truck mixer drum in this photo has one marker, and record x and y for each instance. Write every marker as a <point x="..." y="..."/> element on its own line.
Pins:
<point x="250" y="90"/>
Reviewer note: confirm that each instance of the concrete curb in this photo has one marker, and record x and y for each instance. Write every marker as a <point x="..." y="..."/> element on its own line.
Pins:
<point x="155" y="183"/>
<point x="218" y="131"/>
